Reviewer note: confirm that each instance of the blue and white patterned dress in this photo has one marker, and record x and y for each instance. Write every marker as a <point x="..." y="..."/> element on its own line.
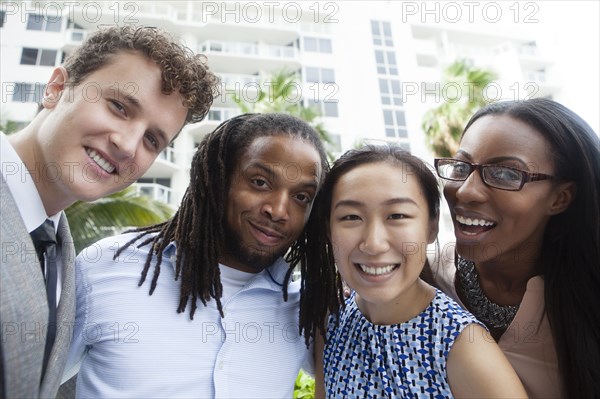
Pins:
<point x="407" y="360"/>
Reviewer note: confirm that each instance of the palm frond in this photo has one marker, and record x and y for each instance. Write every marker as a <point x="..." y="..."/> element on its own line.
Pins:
<point x="92" y="221"/>
<point x="443" y="125"/>
<point x="282" y="95"/>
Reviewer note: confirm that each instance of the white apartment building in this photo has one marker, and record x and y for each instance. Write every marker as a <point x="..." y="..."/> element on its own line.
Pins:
<point x="371" y="68"/>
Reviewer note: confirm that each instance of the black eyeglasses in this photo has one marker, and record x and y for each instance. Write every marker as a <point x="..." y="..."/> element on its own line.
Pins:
<point x="501" y="177"/>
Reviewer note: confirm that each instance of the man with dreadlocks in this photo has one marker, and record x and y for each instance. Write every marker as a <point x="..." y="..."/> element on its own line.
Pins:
<point x="219" y="259"/>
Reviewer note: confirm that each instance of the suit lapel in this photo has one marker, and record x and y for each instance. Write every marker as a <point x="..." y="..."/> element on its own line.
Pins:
<point x="23" y="303"/>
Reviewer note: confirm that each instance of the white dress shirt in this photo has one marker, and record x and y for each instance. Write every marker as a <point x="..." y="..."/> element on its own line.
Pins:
<point x="127" y="343"/>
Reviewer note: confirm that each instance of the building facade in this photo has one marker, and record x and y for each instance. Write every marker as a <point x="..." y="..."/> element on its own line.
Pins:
<point x="372" y="69"/>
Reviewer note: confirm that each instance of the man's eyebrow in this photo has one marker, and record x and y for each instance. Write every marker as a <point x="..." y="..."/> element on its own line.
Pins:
<point x="270" y="172"/>
<point x="265" y="168"/>
<point x="130" y="99"/>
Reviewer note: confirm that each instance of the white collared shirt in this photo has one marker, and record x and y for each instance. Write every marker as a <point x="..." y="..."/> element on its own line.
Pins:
<point x="26" y="196"/>
<point x="127" y="343"/>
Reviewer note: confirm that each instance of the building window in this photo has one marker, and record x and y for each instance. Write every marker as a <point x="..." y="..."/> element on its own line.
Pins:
<point x="2" y="18"/>
<point x="330" y="108"/>
<point x="39" y="22"/>
<point x="386" y="62"/>
<point x="34" y="22"/>
<point x="29" y="56"/>
<point x="389" y="90"/>
<point x="317" y="45"/>
<point x="155" y="180"/>
<point x="33" y="56"/>
<point x="324" y="108"/>
<point x="28" y="92"/>
<point x="395" y="123"/>
<point x="320" y="75"/>
<point x="382" y="33"/>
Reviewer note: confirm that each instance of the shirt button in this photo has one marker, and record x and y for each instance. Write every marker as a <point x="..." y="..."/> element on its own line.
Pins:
<point x="220" y="365"/>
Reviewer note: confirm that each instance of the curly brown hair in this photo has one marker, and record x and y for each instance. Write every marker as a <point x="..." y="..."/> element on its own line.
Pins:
<point x="182" y="70"/>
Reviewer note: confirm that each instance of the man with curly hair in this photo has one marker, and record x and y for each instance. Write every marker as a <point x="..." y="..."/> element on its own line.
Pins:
<point x="108" y="112"/>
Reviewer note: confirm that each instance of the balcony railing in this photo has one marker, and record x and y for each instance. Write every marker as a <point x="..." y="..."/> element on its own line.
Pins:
<point x="158" y="9"/>
<point x="155" y="191"/>
<point x="168" y="154"/>
<point x="248" y="49"/>
<point x="214" y="13"/>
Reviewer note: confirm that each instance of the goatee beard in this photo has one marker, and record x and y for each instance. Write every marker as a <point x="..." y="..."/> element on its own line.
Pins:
<point x="246" y="255"/>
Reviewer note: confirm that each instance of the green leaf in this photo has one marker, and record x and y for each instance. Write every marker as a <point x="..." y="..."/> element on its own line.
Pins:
<point x="304" y="388"/>
<point x="444" y="124"/>
<point x="280" y="88"/>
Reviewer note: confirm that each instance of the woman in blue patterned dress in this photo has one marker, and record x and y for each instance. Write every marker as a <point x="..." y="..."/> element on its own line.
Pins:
<point x="396" y="336"/>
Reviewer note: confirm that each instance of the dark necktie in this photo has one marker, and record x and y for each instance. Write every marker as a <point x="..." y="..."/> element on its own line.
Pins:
<point x="44" y="239"/>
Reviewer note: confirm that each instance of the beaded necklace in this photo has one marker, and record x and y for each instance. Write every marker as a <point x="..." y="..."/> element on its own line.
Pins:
<point x="485" y="310"/>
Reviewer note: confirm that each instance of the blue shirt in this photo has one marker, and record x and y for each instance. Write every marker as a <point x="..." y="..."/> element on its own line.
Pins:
<point x="406" y="360"/>
<point x="127" y="343"/>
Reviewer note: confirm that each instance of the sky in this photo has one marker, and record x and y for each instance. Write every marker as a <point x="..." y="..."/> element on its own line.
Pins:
<point x="571" y="28"/>
<point x="575" y="27"/>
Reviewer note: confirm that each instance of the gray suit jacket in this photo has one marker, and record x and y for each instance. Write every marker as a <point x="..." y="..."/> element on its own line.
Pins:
<point x="24" y="307"/>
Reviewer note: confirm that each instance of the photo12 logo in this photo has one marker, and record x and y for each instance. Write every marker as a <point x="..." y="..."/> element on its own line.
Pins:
<point x="453" y="92"/>
<point x="469" y="11"/>
<point x="268" y="11"/>
<point x="290" y="92"/>
<point x="103" y="12"/>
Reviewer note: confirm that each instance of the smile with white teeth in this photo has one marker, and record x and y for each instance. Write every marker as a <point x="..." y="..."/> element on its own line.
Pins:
<point x="377" y="271"/>
<point x="103" y="163"/>
<point x="473" y="222"/>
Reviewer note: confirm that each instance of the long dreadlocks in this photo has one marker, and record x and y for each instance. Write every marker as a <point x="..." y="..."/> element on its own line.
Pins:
<point x="197" y="227"/>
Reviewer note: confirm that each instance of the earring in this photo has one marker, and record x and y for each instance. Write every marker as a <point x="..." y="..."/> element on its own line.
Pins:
<point x="346" y="290"/>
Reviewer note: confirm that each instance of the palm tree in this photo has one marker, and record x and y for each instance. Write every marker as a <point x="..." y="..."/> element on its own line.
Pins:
<point x="283" y="85"/>
<point x="443" y="125"/>
<point x="92" y="221"/>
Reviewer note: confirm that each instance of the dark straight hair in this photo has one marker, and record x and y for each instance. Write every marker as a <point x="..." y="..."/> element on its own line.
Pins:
<point x="570" y="255"/>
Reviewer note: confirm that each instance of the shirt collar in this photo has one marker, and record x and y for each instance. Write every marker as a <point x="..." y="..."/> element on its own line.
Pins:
<point x="271" y="278"/>
<point x="22" y="187"/>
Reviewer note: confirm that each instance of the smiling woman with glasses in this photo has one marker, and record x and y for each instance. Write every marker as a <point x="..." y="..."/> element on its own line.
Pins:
<point x="524" y="196"/>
